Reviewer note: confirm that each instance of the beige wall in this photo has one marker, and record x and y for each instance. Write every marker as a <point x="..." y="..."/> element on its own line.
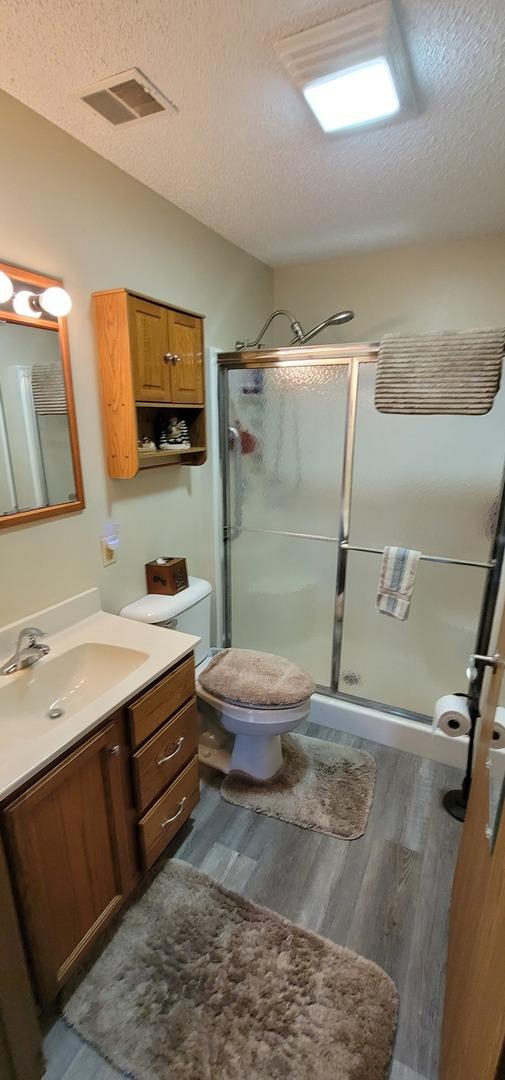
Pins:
<point x="68" y="212"/>
<point x="451" y="285"/>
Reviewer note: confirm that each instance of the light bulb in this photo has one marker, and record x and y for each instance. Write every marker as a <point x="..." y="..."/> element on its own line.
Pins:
<point x="55" y="301"/>
<point x="22" y="304"/>
<point x="6" y="288"/>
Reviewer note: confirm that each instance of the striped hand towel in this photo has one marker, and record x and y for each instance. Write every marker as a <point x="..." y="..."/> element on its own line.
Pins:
<point x="396" y="582"/>
<point x="441" y="373"/>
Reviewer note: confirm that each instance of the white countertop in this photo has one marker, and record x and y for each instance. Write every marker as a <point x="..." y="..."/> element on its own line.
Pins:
<point x="25" y="748"/>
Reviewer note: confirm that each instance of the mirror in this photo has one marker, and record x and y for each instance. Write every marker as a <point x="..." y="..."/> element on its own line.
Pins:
<point x="40" y="472"/>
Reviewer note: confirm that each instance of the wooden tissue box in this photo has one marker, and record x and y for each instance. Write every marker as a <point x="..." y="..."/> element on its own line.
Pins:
<point x="166" y="575"/>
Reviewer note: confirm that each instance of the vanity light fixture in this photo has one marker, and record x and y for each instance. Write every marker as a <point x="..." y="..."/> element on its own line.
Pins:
<point x="6" y="288"/>
<point x="352" y="70"/>
<point x="54" y="300"/>
<point x="22" y="304"/>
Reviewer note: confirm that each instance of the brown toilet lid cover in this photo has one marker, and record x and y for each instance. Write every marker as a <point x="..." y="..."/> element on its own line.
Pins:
<point x="256" y="679"/>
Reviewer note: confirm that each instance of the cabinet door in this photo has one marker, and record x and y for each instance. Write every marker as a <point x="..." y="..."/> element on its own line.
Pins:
<point x="185" y="338"/>
<point x="149" y="348"/>
<point x="70" y="848"/>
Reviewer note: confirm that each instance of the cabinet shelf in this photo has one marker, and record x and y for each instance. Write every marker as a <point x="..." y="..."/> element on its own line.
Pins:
<point x="151" y="360"/>
<point x="173" y="405"/>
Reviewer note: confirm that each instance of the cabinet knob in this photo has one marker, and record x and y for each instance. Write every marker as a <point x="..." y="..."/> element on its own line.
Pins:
<point x="167" y="357"/>
<point x="175" y="358"/>
<point x="171" y="358"/>
<point x="114" y="750"/>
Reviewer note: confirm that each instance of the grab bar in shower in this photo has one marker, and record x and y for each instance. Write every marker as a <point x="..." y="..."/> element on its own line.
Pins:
<point x="426" y="558"/>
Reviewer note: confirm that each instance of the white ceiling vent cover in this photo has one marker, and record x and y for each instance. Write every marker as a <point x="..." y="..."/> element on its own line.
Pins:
<point x="127" y="96"/>
<point x="348" y="42"/>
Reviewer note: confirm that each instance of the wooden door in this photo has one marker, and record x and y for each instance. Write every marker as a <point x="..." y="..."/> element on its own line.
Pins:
<point x="68" y="841"/>
<point x="149" y="348"/>
<point x="473" y="1037"/>
<point x="185" y="335"/>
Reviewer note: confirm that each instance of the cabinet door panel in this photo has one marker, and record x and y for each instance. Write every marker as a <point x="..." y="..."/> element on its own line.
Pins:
<point x="186" y="345"/>
<point x="149" y="334"/>
<point x="66" y="837"/>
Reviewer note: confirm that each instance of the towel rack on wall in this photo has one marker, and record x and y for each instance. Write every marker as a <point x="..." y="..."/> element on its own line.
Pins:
<point x="426" y="558"/>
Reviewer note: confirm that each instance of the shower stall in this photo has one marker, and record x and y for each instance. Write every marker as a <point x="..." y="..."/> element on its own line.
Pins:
<point x="315" y="483"/>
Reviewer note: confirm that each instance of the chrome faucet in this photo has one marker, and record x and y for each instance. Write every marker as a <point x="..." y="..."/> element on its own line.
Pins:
<point x="26" y="654"/>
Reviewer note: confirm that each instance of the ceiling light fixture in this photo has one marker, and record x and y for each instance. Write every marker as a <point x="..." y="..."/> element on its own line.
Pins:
<point x="352" y="70"/>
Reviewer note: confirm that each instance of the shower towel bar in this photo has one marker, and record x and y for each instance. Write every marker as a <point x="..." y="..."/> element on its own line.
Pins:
<point x="425" y="558"/>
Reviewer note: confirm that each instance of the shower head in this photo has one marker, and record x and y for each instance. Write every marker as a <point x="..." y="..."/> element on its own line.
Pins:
<point x="333" y="320"/>
<point x="300" y="337"/>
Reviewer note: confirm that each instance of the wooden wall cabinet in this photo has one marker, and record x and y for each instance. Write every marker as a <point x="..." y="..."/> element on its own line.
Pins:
<point x="151" y="360"/>
<point x="82" y="836"/>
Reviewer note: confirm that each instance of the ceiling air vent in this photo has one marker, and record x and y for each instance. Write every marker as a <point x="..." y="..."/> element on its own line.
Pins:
<point x="125" y="97"/>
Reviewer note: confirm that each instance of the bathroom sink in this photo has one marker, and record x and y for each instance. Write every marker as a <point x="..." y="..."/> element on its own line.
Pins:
<point x="55" y="689"/>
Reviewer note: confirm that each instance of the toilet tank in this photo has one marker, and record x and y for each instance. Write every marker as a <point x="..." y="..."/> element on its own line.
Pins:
<point x="187" y="611"/>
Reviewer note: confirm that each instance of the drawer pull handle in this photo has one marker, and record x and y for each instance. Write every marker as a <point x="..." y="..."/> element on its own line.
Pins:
<point x="167" y="757"/>
<point x="169" y="820"/>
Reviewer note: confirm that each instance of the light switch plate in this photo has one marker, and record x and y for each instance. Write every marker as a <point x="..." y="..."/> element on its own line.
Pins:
<point x="109" y="554"/>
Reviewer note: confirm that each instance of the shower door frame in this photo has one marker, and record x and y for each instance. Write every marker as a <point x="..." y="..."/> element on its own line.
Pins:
<point x="350" y="357"/>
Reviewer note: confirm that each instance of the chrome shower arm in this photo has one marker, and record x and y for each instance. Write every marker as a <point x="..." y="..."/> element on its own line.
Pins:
<point x="295" y="326"/>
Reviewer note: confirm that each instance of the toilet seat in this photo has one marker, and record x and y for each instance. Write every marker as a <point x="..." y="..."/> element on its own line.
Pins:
<point x="248" y="720"/>
<point x="256" y="680"/>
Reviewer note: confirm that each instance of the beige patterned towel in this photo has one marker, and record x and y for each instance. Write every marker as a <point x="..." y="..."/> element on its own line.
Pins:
<point x="447" y="372"/>
<point x="396" y="582"/>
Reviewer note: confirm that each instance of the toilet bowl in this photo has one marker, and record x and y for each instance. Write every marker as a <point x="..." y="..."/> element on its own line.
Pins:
<point x="256" y="725"/>
<point x="257" y="750"/>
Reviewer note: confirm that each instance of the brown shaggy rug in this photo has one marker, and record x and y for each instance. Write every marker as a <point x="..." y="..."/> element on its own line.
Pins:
<point x="200" y="984"/>
<point x="321" y="786"/>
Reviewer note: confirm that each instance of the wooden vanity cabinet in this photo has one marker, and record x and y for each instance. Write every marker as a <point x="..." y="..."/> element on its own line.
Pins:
<point x="72" y="855"/>
<point x="151" y="364"/>
<point x="80" y="837"/>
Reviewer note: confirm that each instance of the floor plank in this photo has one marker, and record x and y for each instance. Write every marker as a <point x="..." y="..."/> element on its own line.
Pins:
<point x="402" y="1072"/>
<point x="386" y="894"/>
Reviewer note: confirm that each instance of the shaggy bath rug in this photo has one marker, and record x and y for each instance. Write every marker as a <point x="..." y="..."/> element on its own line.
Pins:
<point x="321" y="786"/>
<point x="199" y="984"/>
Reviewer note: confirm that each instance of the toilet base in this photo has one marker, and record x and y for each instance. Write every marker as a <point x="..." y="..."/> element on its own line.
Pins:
<point x="258" y="756"/>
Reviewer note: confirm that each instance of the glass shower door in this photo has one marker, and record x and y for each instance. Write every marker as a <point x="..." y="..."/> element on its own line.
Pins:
<point x="430" y="483"/>
<point x="285" y="429"/>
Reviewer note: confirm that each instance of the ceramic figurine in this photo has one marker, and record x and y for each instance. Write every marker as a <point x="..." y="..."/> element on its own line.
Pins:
<point x="173" y="431"/>
<point x="184" y="435"/>
<point x="146" y="444"/>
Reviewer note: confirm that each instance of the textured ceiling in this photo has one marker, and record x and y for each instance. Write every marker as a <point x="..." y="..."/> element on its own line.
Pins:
<point x="244" y="155"/>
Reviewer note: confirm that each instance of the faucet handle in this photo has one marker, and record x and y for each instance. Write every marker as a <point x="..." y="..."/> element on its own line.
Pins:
<point x="32" y="633"/>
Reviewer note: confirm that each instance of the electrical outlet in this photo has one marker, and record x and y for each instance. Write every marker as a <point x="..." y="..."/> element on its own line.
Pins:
<point x="109" y="554"/>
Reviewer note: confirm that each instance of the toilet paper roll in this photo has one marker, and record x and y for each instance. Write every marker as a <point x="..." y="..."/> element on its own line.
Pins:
<point x="498" y="736"/>
<point x="451" y="716"/>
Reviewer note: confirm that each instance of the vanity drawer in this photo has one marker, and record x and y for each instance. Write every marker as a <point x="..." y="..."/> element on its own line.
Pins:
<point x="152" y="709"/>
<point x="164" y="755"/>
<point x="160" y="824"/>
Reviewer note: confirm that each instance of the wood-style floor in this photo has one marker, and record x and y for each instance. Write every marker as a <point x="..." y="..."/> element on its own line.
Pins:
<point x="385" y="895"/>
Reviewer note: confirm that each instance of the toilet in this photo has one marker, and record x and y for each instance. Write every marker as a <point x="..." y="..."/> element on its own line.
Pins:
<point x="255" y="696"/>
